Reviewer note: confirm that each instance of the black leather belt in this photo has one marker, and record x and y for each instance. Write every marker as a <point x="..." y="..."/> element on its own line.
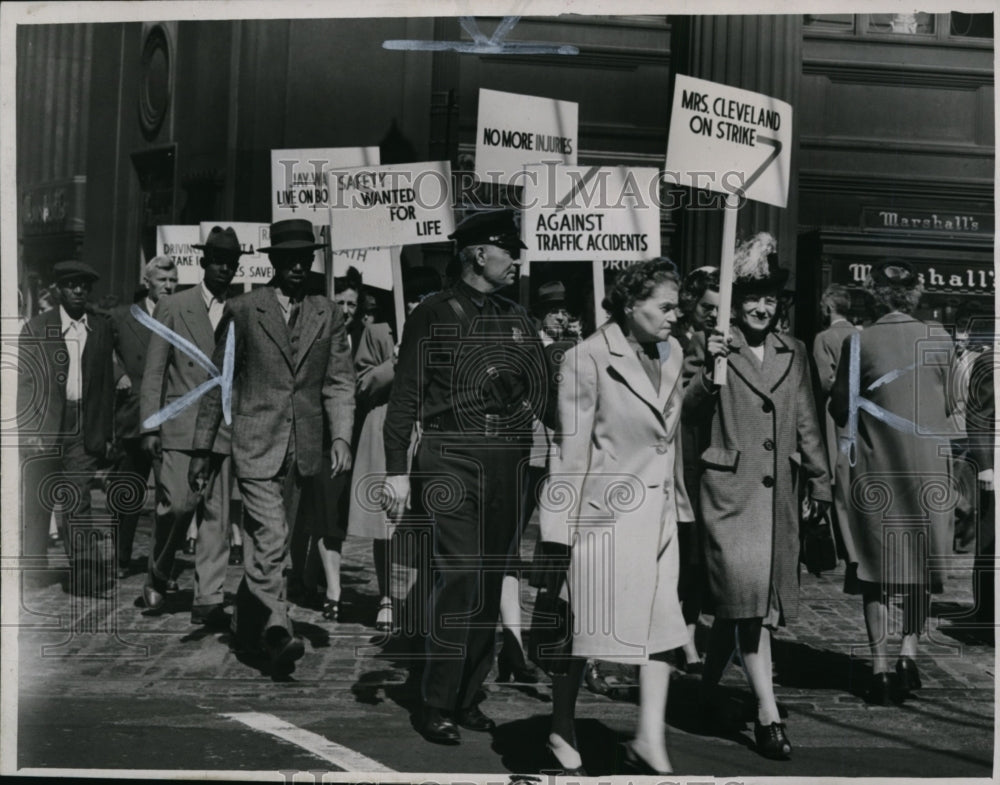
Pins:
<point x="489" y="426"/>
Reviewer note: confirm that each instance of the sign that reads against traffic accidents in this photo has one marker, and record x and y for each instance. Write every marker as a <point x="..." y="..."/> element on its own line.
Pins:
<point x="380" y="206"/>
<point x="725" y="139"/>
<point x="596" y="213"/>
<point x="176" y="242"/>
<point x="515" y="130"/>
<point x="298" y="179"/>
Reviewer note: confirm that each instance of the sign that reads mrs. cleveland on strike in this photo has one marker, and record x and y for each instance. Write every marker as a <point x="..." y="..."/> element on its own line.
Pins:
<point x="596" y="213"/>
<point x="399" y="204"/>
<point x="725" y="139"/>
<point x="515" y="130"/>
<point x="177" y="243"/>
<point x="298" y="179"/>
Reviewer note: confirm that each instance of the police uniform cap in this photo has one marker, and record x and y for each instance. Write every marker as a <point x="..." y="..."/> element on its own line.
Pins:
<point x="493" y="227"/>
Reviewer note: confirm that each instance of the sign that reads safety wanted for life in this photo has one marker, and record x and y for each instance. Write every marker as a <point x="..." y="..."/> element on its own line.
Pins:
<point x="729" y="140"/>
<point x="590" y="213"/>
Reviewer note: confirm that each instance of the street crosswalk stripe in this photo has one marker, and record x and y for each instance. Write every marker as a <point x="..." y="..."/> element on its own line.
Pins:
<point x="340" y="756"/>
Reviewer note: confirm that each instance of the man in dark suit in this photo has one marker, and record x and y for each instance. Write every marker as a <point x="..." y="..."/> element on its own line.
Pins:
<point x="65" y="422"/>
<point x="291" y="368"/>
<point x="131" y="341"/>
<point x="170" y="374"/>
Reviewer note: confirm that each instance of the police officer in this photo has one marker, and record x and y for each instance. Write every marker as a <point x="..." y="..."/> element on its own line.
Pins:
<point x="471" y="368"/>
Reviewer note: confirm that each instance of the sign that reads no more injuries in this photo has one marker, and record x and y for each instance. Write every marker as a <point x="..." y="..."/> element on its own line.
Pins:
<point x="726" y="139"/>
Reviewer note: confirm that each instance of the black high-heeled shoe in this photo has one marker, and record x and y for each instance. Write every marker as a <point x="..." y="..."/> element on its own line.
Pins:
<point x="511" y="665"/>
<point x="331" y="610"/>
<point x="559" y="767"/>
<point x="908" y="675"/>
<point x="636" y="764"/>
<point x="771" y="740"/>
<point x="881" y="690"/>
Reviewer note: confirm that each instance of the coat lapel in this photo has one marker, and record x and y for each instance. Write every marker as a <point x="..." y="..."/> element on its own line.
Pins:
<point x="311" y="319"/>
<point x="670" y="372"/>
<point x="778" y="356"/>
<point x="626" y="365"/>
<point x="777" y="361"/>
<point x="273" y="323"/>
<point x="195" y="316"/>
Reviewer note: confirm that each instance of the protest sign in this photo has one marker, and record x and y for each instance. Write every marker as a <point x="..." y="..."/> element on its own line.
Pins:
<point x="298" y="179"/>
<point x="374" y="264"/>
<point x="380" y="206"/>
<point x="596" y="212"/>
<point x="516" y="130"/>
<point x="176" y="242"/>
<point x="725" y="139"/>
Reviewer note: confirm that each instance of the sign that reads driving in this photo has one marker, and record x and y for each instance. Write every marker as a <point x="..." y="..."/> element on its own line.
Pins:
<point x="399" y="204"/>
<point x="515" y="130"/>
<point x="725" y="139"/>
<point x="298" y="179"/>
<point x="177" y="243"/>
<point x="596" y="213"/>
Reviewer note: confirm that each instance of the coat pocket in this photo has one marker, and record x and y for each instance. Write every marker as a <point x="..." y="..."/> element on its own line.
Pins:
<point x="720" y="458"/>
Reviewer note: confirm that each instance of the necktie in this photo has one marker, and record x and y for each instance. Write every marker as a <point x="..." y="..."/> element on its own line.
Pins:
<point x="293" y="312"/>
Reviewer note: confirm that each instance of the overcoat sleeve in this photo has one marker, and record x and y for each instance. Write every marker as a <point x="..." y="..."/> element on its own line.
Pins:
<point x="570" y="460"/>
<point x="810" y="440"/>
<point x="338" y="386"/>
<point x="153" y="375"/>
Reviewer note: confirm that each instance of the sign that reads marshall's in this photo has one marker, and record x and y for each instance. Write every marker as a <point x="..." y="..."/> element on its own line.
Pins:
<point x="935" y="276"/>
<point x="903" y="219"/>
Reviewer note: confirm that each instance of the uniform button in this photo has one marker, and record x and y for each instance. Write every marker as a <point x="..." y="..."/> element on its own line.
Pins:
<point x="661" y="448"/>
<point x="768" y="407"/>
<point x="768" y="444"/>
<point x="768" y="481"/>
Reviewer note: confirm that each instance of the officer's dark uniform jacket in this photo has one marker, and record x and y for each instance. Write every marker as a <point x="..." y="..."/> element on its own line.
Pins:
<point x="469" y="363"/>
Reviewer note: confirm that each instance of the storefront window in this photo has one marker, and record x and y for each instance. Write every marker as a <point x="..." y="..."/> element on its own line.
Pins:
<point x="972" y="25"/>
<point x="829" y="23"/>
<point x="919" y="23"/>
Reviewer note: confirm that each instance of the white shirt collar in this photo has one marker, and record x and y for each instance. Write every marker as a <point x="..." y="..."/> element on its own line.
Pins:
<point x="150" y="305"/>
<point x="65" y="320"/>
<point x="207" y="296"/>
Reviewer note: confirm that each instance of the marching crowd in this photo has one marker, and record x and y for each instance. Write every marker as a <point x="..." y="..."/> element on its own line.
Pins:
<point x="674" y="470"/>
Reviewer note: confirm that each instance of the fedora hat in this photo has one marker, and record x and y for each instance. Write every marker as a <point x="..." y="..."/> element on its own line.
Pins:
<point x="551" y="293"/>
<point x="292" y="234"/>
<point x="222" y="240"/>
<point x="73" y="269"/>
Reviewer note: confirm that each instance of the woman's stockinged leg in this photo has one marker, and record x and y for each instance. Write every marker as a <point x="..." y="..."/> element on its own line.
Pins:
<point x="564" y="691"/>
<point x="650" y="736"/>
<point x="755" y="649"/>
<point x="876" y="619"/>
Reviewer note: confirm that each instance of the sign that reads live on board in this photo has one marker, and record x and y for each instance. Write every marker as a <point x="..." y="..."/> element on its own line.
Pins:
<point x="726" y="139"/>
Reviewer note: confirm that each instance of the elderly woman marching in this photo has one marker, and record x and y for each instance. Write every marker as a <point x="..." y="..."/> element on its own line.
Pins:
<point x="899" y="477"/>
<point x="764" y="440"/>
<point x="617" y="467"/>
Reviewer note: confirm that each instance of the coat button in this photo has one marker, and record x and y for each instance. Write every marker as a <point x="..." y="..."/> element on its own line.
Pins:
<point x="666" y="487"/>
<point x="768" y="445"/>
<point x="661" y="448"/>
<point x="768" y="481"/>
<point x="768" y="407"/>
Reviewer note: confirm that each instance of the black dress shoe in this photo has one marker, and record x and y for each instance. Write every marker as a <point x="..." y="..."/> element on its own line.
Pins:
<point x="771" y="741"/>
<point x="881" y="690"/>
<point x="472" y="718"/>
<point x="283" y="648"/>
<point x="152" y="597"/>
<point x="211" y="616"/>
<point x="235" y="555"/>
<point x="908" y="675"/>
<point x="438" y="728"/>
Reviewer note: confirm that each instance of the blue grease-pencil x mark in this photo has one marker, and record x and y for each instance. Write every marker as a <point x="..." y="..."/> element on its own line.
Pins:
<point x="223" y="380"/>
<point x="856" y="403"/>
<point x="480" y="44"/>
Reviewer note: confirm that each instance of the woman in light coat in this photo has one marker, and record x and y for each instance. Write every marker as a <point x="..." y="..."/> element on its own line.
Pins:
<point x="764" y="441"/>
<point x="900" y="495"/>
<point x="614" y="494"/>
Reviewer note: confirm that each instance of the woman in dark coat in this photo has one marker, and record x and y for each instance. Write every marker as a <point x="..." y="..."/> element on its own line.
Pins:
<point x="764" y="442"/>
<point x="899" y="476"/>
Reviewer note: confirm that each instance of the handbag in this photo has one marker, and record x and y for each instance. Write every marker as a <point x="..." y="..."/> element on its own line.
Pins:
<point x="550" y="639"/>
<point x="819" y="550"/>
